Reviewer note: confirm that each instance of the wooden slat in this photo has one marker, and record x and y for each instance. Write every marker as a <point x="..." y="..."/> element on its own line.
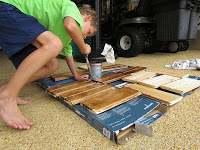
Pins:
<point x="119" y="75"/>
<point x="182" y="86"/>
<point x="158" y="95"/>
<point x="63" y="76"/>
<point x="109" y="99"/>
<point x="85" y="95"/>
<point x="106" y="68"/>
<point x="157" y="81"/>
<point x="139" y="76"/>
<point x="58" y="90"/>
<point x="170" y="73"/>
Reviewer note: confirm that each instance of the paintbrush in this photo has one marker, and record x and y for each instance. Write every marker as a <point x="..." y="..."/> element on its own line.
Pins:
<point x="88" y="65"/>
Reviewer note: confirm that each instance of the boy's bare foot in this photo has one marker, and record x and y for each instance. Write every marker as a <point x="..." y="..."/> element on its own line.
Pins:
<point x="11" y="114"/>
<point x="19" y="100"/>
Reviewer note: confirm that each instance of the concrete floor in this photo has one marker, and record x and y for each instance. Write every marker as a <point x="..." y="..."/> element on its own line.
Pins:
<point x="57" y="127"/>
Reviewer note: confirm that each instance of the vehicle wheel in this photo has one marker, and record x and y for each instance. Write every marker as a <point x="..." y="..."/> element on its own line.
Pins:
<point x="129" y="42"/>
<point x="184" y="45"/>
<point x="174" y="47"/>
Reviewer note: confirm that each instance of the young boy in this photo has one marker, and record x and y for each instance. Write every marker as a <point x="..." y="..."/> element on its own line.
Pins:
<point x="33" y="33"/>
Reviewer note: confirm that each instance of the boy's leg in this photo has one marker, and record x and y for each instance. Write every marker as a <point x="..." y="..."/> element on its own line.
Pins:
<point x="9" y="112"/>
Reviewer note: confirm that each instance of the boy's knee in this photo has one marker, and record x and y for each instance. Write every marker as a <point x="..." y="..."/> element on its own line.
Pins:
<point x="53" y="65"/>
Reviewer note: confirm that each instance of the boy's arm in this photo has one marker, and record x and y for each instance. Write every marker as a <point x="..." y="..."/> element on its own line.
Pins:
<point x="70" y="63"/>
<point x="75" y="33"/>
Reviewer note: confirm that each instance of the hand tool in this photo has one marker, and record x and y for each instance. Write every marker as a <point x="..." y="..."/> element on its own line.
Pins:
<point x="88" y="65"/>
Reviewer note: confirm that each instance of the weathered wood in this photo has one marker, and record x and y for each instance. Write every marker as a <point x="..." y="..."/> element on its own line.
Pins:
<point x="81" y="95"/>
<point x="170" y="73"/>
<point x="139" y="76"/>
<point x="158" y="95"/>
<point x="109" y="99"/>
<point x="182" y="86"/>
<point x="157" y="81"/>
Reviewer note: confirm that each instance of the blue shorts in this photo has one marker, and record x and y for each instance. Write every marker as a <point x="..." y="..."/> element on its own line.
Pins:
<point x="17" y="31"/>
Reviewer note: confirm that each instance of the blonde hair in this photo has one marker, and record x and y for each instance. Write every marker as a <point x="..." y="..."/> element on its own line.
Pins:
<point x="88" y="11"/>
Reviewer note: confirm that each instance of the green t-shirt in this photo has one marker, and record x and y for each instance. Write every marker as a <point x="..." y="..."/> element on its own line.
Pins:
<point x="51" y="14"/>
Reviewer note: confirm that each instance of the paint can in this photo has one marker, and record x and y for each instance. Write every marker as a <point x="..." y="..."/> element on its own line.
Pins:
<point x="96" y="69"/>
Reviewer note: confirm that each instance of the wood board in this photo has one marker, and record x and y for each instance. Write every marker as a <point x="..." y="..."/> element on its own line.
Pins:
<point x="139" y="76"/>
<point x="106" y="68"/>
<point x="59" y="90"/>
<point x="63" y="76"/>
<point x="157" y="81"/>
<point x="82" y="95"/>
<point x="158" y="95"/>
<point x="109" y="99"/>
<point x="119" y="75"/>
<point x="170" y="73"/>
<point x="182" y="86"/>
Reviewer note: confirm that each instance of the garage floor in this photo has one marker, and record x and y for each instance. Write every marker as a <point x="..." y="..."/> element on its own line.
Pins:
<point x="57" y="127"/>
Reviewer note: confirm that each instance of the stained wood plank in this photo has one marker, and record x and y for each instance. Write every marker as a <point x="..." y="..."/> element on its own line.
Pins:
<point x="119" y="75"/>
<point x="85" y="95"/>
<point x="106" y="68"/>
<point x="58" y="90"/>
<point x="182" y="86"/>
<point x="157" y="81"/>
<point x="109" y="99"/>
<point x="63" y="76"/>
<point x="158" y="95"/>
<point x="139" y="76"/>
<point x="170" y="73"/>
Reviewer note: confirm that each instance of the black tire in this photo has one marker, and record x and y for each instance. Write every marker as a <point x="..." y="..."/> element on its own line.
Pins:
<point x="184" y="45"/>
<point x="129" y="42"/>
<point x="173" y="47"/>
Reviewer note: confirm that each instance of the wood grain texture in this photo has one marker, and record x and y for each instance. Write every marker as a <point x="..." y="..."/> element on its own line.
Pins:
<point x="58" y="90"/>
<point x="81" y="96"/>
<point x="63" y="76"/>
<point x="170" y="73"/>
<point x="139" y="76"/>
<point x="157" y="81"/>
<point x="158" y="95"/>
<point x="109" y="99"/>
<point x="182" y="86"/>
<point x="119" y="75"/>
<point x="106" y="68"/>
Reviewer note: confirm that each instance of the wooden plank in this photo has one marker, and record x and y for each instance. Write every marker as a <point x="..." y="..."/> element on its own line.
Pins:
<point x="109" y="99"/>
<point x="182" y="86"/>
<point x="157" y="81"/>
<point x="139" y="76"/>
<point x="63" y="76"/>
<point x="170" y="73"/>
<point x="57" y="91"/>
<point x="158" y="95"/>
<point x="81" y="96"/>
<point x="106" y="68"/>
<point x="119" y="75"/>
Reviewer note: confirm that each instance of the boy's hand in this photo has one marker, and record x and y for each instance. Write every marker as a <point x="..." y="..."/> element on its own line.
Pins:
<point x="83" y="77"/>
<point x="86" y="50"/>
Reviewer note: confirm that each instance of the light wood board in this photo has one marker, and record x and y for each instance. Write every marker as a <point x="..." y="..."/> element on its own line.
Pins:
<point x="170" y="73"/>
<point x="139" y="76"/>
<point x="158" y="95"/>
<point x="157" y="81"/>
<point x="182" y="86"/>
<point x="109" y="99"/>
